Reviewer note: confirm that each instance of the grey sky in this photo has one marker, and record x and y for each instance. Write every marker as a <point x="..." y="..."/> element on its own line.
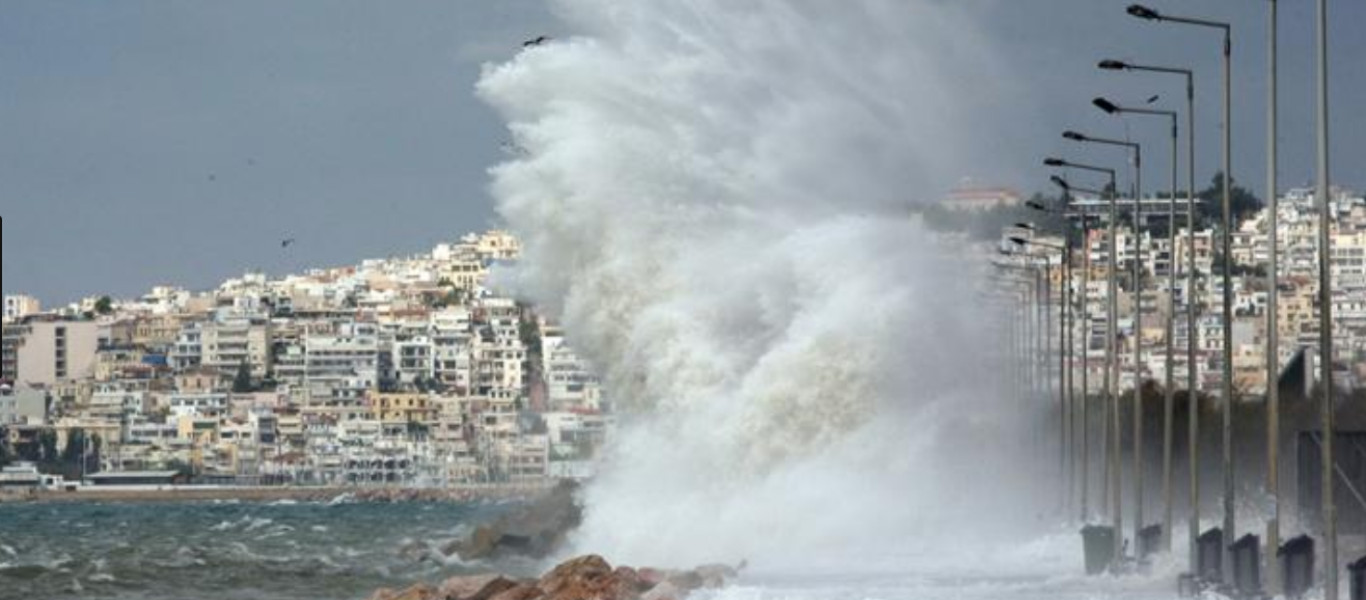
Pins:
<point x="178" y="142"/>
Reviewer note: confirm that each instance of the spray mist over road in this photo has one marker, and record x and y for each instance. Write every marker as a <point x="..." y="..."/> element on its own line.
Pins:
<point x="713" y="195"/>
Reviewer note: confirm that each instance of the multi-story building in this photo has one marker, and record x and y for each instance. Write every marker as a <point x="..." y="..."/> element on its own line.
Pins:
<point x="23" y="406"/>
<point x="43" y="352"/>
<point x="19" y="306"/>
<point x="231" y="341"/>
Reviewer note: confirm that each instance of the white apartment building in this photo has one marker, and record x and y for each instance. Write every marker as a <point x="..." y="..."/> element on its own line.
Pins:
<point x="227" y="342"/>
<point x="42" y="353"/>
<point x="20" y="306"/>
<point x="569" y="382"/>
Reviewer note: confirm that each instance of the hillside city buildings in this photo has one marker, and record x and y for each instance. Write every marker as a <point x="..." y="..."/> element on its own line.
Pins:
<point x="406" y="370"/>
<point x="1297" y="325"/>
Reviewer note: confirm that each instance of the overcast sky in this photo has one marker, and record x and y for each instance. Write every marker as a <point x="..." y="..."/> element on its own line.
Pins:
<point x="179" y="142"/>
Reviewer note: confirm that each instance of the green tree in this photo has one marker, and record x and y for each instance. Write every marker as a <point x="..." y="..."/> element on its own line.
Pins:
<point x="47" y="445"/>
<point x="1243" y="204"/>
<point x="181" y="467"/>
<point x="76" y="443"/>
<point x="104" y="305"/>
<point x="6" y="453"/>
<point x="241" y="383"/>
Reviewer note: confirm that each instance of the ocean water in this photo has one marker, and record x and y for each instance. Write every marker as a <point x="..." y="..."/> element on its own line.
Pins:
<point x="228" y="550"/>
<point x="340" y="551"/>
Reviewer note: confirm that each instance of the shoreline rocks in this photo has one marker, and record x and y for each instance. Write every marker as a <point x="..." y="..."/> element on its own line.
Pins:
<point x="588" y="577"/>
<point x="536" y="530"/>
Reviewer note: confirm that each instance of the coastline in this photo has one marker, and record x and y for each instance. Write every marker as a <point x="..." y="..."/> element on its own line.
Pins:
<point x="192" y="493"/>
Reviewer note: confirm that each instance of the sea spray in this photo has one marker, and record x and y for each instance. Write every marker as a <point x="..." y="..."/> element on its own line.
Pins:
<point x="713" y="196"/>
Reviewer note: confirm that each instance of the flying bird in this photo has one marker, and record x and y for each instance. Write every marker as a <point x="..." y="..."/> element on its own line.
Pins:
<point x="1153" y="99"/>
<point x="285" y="243"/>
<point x="538" y="40"/>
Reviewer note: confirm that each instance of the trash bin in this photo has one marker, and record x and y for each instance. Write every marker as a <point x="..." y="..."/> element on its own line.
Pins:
<point x="1149" y="540"/>
<point x="1247" y="565"/>
<point x="1356" y="572"/>
<point x="1210" y="555"/>
<point x="1297" y="566"/>
<point x="1098" y="542"/>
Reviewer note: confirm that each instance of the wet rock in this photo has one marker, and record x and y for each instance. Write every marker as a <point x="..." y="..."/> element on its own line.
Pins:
<point x="417" y="591"/>
<point x="651" y="576"/>
<point x="629" y="580"/>
<point x="534" y="530"/>
<point x="521" y="591"/>
<point x="577" y="579"/>
<point x="664" y="591"/>
<point x="588" y="577"/>
<point x="475" y="587"/>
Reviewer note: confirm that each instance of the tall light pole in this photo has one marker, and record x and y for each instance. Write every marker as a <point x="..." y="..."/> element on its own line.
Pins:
<point x="1273" y="341"/>
<point x="1079" y="439"/>
<point x="1084" y="305"/>
<point x="1192" y="385"/>
<point x="1137" y="150"/>
<point x="1227" y="30"/>
<point x="1112" y="384"/>
<point x="1330" y="515"/>
<point x="1065" y="296"/>
<point x="1168" y="404"/>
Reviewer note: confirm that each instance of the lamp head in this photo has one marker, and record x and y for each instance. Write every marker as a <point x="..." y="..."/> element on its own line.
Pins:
<point x="1105" y="105"/>
<point x="1143" y="12"/>
<point x="1025" y="226"/>
<point x="1018" y="240"/>
<point x="1112" y="65"/>
<point x="1035" y="205"/>
<point x="1074" y="136"/>
<point x="1054" y="162"/>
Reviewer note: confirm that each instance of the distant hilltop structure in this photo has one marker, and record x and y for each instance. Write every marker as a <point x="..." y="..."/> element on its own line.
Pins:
<point x="20" y="306"/>
<point x="972" y="197"/>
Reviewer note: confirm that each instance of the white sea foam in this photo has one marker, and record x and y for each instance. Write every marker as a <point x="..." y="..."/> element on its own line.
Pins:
<point x="713" y="197"/>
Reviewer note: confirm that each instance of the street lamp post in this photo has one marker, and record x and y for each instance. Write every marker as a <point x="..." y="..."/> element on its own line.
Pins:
<point x="1143" y="12"/>
<point x="1273" y="345"/>
<point x="1078" y="461"/>
<point x="1112" y="384"/>
<point x="1084" y="306"/>
<point x="1168" y="404"/>
<point x="1192" y="386"/>
<point x="1330" y="515"/>
<point x="1065" y="297"/>
<point x="1138" y="319"/>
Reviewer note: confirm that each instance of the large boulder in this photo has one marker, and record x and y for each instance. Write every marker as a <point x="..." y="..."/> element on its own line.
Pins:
<point x="591" y="578"/>
<point x="521" y="591"/>
<point x="535" y="530"/>
<point x="417" y="591"/>
<point x="587" y="577"/>
<point x="475" y="587"/>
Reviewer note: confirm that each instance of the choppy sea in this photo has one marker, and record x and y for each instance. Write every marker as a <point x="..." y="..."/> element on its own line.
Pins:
<point x="283" y="550"/>
<point x="345" y="550"/>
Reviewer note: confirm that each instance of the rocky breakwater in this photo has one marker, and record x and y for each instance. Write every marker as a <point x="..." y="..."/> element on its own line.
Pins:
<point x="536" y="530"/>
<point x="587" y="577"/>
